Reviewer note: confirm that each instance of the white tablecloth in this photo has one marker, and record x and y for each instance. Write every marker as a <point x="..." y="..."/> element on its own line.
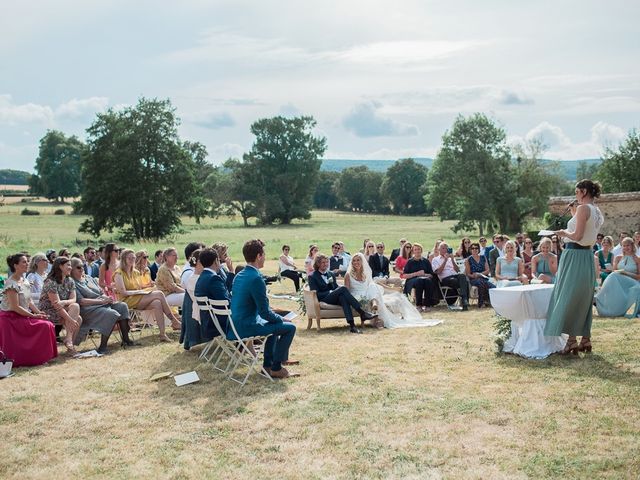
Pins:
<point x="526" y="306"/>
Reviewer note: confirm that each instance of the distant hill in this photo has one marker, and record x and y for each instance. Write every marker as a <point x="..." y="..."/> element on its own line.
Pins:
<point x="569" y="167"/>
<point x="14" y="177"/>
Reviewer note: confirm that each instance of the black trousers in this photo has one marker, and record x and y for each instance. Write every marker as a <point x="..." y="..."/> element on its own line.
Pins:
<point x="459" y="282"/>
<point x="292" y="275"/>
<point x="342" y="296"/>
<point x="424" y="288"/>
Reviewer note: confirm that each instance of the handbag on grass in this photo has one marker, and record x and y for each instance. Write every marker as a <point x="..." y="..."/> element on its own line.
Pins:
<point x="5" y="365"/>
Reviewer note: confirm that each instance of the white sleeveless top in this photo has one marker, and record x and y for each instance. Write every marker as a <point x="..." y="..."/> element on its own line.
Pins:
<point x="283" y="266"/>
<point x="591" y="229"/>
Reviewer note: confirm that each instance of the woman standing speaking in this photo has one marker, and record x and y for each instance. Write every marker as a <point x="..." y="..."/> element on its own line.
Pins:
<point x="572" y="299"/>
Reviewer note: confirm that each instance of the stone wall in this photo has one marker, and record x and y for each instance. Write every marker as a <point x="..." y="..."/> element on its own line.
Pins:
<point x="621" y="211"/>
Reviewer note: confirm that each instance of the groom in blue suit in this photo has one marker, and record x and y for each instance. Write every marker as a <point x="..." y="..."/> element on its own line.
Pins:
<point x="211" y="285"/>
<point x="253" y="316"/>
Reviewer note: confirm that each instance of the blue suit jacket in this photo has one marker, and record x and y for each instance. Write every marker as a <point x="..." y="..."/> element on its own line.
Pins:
<point x="153" y="268"/>
<point x="212" y="286"/>
<point x="249" y="305"/>
<point x="227" y="277"/>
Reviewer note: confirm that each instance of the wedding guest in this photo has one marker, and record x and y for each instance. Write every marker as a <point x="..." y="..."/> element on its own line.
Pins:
<point x="436" y="249"/>
<point x="168" y="278"/>
<point x="402" y="260"/>
<point x="128" y="288"/>
<point x="210" y="285"/>
<point x="309" y="261"/>
<point x="419" y="277"/>
<point x="58" y="301"/>
<point x="483" y="245"/>
<point x="570" y="308"/>
<point x="335" y="260"/>
<point x="636" y="242"/>
<point x="346" y="258"/>
<point x="556" y="246"/>
<point x="142" y="266"/>
<point x="252" y="315"/>
<point x="621" y="289"/>
<point x="369" y="249"/>
<point x="153" y="268"/>
<point x="111" y="254"/>
<point x="190" y="334"/>
<point x="396" y="252"/>
<point x="449" y="274"/>
<point x="64" y="252"/>
<point x="323" y="281"/>
<point x="187" y="268"/>
<point x="37" y="274"/>
<point x="496" y="252"/>
<point x="51" y="256"/>
<point x="379" y="263"/>
<point x="605" y="258"/>
<point x="598" y="245"/>
<point x="617" y="250"/>
<point x="90" y="266"/>
<point x="520" y="241"/>
<point x="527" y="255"/>
<point x="463" y="250"/>
<point x="510" y="269"/>
<point x="288" y="267"/>
<point x="26" y="336"/>
<point x="477" y="271"/>
<point x="226" y="270"/>
<point x="544" y="265"/>
<point x="99" y="312"/>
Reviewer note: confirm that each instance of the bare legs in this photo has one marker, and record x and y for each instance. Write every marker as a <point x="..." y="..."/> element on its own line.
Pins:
<point x="71" y="320"/>
<point x="157" y="304"/>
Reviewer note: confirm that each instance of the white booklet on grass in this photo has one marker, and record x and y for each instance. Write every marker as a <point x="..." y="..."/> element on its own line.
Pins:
<point x="186" y="378"/>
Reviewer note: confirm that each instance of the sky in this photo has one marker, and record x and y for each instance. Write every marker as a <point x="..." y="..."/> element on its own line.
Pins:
<point x="384" y="80"/>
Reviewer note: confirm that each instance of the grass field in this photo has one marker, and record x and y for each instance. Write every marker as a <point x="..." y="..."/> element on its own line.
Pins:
<point x="411" y="403"/>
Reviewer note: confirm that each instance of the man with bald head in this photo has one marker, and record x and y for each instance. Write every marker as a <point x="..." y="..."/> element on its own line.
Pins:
<point x="449" y="274"/>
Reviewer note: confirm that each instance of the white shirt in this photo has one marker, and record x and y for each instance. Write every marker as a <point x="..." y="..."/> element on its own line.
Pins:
<point x="617" y="250"/>
<point x="448" y="269"/>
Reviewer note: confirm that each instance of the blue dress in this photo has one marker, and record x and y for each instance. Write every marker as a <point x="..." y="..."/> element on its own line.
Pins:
<point x="544" y="268"/>
<point x="482" y="284"/>
<point x="510" y="270"/>
<point x="619" y="292"/>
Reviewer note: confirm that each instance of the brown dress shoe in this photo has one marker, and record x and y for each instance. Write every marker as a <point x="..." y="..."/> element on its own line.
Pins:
<point x="282" y="373"/>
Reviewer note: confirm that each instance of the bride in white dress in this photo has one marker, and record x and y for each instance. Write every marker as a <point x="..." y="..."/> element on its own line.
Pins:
<point x="393" y="308"/>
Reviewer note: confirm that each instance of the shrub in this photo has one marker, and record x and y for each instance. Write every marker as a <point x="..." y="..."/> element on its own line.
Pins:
<point x="26" y="211"/>
<point x="59" y="211"/>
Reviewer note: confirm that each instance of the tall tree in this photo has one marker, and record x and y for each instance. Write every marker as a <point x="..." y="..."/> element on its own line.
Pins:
<point x="137" y="174"/>
<point x="283" y="166"/>
<point x="620" y="169"/>
<point x="470" y="179"/>
<point x="358" y="189"/>
<point x="404" y="186"/>
<point x="586" y="170"/>
<point x="58" y="166"/>
<point x="325" y="195"/>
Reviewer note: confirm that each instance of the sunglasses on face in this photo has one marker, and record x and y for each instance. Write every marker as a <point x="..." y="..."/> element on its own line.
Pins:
<point x="475" y="248"/>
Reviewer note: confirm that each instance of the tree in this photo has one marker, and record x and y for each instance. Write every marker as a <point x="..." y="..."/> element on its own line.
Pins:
<point x="229" y="193"/>
<point x="58" y="166"/>
<point x="620" y="170"/>
<point x="325" y="195"/>
<point x="137" y="174"/>
<point x="358" y="189"/>
<point x="470" y="178"/>
<point x="283" y="167"/>
<point x="404" y="187"/>
<point x="586" y="170"/>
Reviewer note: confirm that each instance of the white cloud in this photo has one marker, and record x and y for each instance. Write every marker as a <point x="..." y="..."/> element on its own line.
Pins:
<point x="385" y="154"/>
<point x="219" y="153"/>
<point x="78" y="108"/>
<point x="561" y="147"/>
<point x="289" y="110"/>
<point x="11" y="114"/>
<point x="365" y="121"/>
<point x="211" y="120"/>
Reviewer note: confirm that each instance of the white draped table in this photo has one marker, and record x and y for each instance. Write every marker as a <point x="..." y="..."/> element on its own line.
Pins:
<point x="526" y="306"/>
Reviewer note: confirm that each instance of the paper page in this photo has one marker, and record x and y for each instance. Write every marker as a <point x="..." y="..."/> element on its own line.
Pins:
<point x="290" y="316"/>
<point x="186" y="378"/>
<point x="88" y="354"/>
<point x="160" y="375"/>
<point x="546" y="233"/>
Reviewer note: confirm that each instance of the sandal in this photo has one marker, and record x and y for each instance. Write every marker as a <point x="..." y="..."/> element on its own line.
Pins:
<point x="70" y="347"/>
<point x="571" y="347"/>
<point x="585" y="345"/>
<point x="163" y="338"/>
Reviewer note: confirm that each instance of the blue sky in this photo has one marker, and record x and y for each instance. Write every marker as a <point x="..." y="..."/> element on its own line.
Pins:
<point x="384" y="80"/>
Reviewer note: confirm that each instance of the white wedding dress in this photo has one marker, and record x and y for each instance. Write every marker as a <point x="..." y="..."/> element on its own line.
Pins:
<point x="393" y="308"/>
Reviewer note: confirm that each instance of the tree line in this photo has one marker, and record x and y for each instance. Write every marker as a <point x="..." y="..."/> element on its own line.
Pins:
<point x="134" y="173"/>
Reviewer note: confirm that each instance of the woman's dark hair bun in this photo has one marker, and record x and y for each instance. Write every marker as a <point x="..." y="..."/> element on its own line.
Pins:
<point x="594" y="189"/>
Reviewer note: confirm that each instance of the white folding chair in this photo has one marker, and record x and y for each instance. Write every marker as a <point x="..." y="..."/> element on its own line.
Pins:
<point x="218" y="347"/>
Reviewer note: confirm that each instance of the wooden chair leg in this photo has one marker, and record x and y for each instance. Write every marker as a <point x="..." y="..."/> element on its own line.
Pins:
<point x="318" y="322"/>
<point x="309" y="322"/>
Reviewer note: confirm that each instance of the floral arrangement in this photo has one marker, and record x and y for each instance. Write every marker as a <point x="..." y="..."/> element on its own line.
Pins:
<point x="501" y="332"/>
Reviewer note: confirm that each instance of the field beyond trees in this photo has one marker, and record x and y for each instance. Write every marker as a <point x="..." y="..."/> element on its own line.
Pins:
<point x="409" y="403"/>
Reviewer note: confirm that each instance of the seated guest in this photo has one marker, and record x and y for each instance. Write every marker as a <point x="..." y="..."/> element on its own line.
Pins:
<point x="51" y="256"/>
<point x="211" y="285"/>
<point x="364" y="246"/>
<point x="598" y="245"/>
<point x="168" y="278"/>
<point x="323" y="282"/>
<point x="58" y="301"/>
<point x="527" y="255"/>
<point x="226" y="265"/>
<point x="403" y="258"/>
<point x="617" y="250"/>
<point x="436" y="249"/>
<point x="346" y="259"/>
<point x="463" y="250"/>
<point x="288" y="267"/>
<point x="129" y="290"/>
<point x="605" y="258"/>
<point x="379" y="265"/>
<point x="449" y="274"/>
<point x="309" y="261"/>
<point x="26" y="336"/>
<point x="252" y="315"/>
<point x="556" y="246"/>
<point x="483" y="246"/>
<point x="64" y="252"/>
<point x="369" y="249"/>
<point x="621" y="289"/>
<point x="419" y="276"/>
<point x="187" y="268"/>
<point x="495" y="253"/>
<point x="99" y="312"/>
<point x="37" y="274"/>
<point x="544" y="265"/>
<point x="335" y="260"/>
<point x="142" y="266"/>
<point x="191" y="333"/>
<point x="90" y="266"/>
<point x="510" y="269"/>
<point x="477" y="271"/>
<point x="636" y="242"/>
<point x="153" y="268"/>
<point x="520" y="241"/>
<point x="396" y="252"/>
<point x="107" y="269"/>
